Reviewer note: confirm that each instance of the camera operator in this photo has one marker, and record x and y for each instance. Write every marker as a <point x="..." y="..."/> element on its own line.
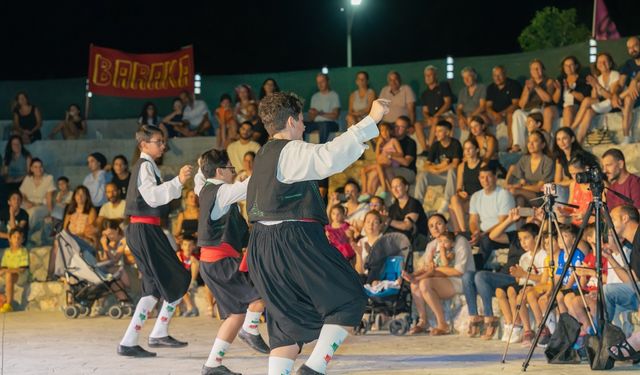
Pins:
<point x="348" y="197"/>
<point x="620" y="180"/>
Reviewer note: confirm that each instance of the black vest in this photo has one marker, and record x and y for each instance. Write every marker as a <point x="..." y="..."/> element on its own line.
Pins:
<point x="270" y="200"/>
<point x="135" y="203"/>
<point x="230" y="227"/>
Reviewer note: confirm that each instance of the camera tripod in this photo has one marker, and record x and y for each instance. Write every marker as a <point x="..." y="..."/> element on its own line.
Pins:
<point x="599" y="210"/>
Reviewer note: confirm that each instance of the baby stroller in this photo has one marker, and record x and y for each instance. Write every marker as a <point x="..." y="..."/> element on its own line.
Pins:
<point x="389" y="256"/>
<point x="76" y="262"/>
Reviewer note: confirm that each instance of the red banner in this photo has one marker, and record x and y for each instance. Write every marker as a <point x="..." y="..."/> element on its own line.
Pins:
<point x="153" y="75"/>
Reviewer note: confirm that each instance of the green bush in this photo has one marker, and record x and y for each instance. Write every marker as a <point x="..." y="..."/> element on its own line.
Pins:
<point x="552" y="27"/>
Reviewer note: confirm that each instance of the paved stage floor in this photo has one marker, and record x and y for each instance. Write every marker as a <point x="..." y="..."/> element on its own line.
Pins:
<point x="48" y="343"/>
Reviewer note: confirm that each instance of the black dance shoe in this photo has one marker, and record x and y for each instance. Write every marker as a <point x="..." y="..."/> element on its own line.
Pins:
<point x="134" y="351"/>
<point x="255" y="342"/>
<point x="220" y="370"/>
<point x="304" y="370"/>
<point x="166" y="342"/>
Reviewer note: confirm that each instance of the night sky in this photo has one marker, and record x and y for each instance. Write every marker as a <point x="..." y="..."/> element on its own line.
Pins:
<point x="51" y="39"/>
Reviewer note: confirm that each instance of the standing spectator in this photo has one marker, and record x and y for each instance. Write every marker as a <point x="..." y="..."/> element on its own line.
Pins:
<point x="436" y="103"/>
<point x="444" y="156"/>
<point x="537" y="96"/>
<point x="244" y="97"/>
<point x="406" y="214"/>
<point x="80" y="219"/>
<point x="15" y="263"/>
<point x="96" y="179"/>
<point x="73" y="126"/>
<point x="532" y="171"/>
<point x="407" y="161"/>
<point x="620" y="180"/>
<point x="27" y="119"/>
<point x="502" y="98"/>
<point x="403" y="100"/>
<point x="173" y="121"/>
<point x="467" y="183"/>
<point x="186" y="225"/>
<point x="245" y="143"/>
<point x="113" y="209"/>
<point x="629" y="77"/>
<point x="37" y="192"/>
<point x="604" y="87"/>
<point x="195" y="115"/>
<point x="120" y="174"/>
<point x="360" y="101"/>
<point x="324" y="109"/>
<point x="13" y="217"/>
<point x="228" y="130"/>
<point x="269" y="86"/>
<point x="574" y="89"/>
<point x="471" y="99"/>
<point x="16" y="163"/>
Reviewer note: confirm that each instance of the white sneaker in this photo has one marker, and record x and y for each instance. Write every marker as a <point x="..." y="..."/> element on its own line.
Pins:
<point x="517" y="335"/>
<point x="626" y="140"/>
<point x="505" y="332"/>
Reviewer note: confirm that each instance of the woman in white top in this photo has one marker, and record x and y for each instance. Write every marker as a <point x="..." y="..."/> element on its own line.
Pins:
<point x="37" y="189"/>
<point x="603" y="89"/>
<point x="360" y="101"/>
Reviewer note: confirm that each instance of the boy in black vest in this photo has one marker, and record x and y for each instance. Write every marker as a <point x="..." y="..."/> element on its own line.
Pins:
<point x="222" y="232"/>
<point x="162" y="273"/>
<point x="310" y="290"/>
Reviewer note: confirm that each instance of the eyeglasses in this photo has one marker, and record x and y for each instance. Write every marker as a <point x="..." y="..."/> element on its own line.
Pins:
<point x="158" y="143"/>
<point x="230" y="167"/>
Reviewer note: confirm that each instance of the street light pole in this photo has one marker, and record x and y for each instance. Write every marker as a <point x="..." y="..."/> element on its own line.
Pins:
<point x="350" y="14"/>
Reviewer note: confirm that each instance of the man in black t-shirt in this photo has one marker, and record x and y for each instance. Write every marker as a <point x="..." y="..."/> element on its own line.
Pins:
<point x="629" y="76"/>
<point x="502" y="98"/>
<point x="407" y="161"/>
<point x="436" y="103"/>
<point x="13" y="217"/>
<point x="439" y="169"/>
<point x="405" y="212"/>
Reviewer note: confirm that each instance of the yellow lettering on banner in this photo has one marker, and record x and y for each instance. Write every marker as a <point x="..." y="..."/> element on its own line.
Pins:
<point x="185" y="71"/>
<point x="140" y="76"/>
<point x="101" y="71"/>
<point x="169" y="73"/>
<point x="122" y="74"/>
<point x="155" y="76"/>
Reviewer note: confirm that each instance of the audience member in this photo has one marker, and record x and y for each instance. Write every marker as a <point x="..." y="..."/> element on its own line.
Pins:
<point x="436" y="104"/>
<point x="471" y="99"/>
<point x="444" y="156"/>
<point x="228" y="127"/>
<point x="339" y="232"/>
<point x="324" y="109"/>
<point x="579" y="194"/>
<point x="247" y="166"/>
<point x="239" y="148"/>
<point x="80" y="219"/>
<point x="360" y="101"/>
<point x="467" y="183"/>
<point x="487" y="142"/>
<point x="566" y="148"/>
<point x="111" y="252"/>
<point x="73" y="126"/>
<point x="407" y="161"/>
<point x="149" y="115"/>
<point x="37" y="193"/>
<point x="120" y="174"/>
<point x="61" y="198"/>
<point x="16" y="163"/>
<point x="187" y="255"/>
<point x="574" y="89"/>
<point x="97" y="178"/>
<point x="14" y="264"/>
<point x="186" y="224"/>
<point x="629" y="77"/>
<point x="355" y="209"/>
<point x="13" y="217"/>
<point x="27" y="119"/>
<point x="380" y="173"/>
<point x="195" y="115"/>
<point x="535" y="168"/>
<point x="403" y="100"/>
<point x="173" y="121"/>
<point x="502" y="99"/>
<point x="620" y="179"/>
<point x="260" y="133"/>
<point x="244" y="97"/>
<point x="269" y="86"/>
<point x="113" y="209"/>
<point x="406" y="214"/>
<point x="373" y="229"/>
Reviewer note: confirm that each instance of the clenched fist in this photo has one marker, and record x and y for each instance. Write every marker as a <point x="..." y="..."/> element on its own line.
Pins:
<point x="379" y="108"/>
<point x="185" y="173"/>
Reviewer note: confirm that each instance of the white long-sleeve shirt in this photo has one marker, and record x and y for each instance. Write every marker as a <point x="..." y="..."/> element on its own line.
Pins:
<point x="227" y="195"/>
<point x="156" y="195"/>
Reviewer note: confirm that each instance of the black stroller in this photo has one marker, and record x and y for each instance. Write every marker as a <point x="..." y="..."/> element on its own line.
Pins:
<point x="87" y="282"/>
<point x="391" y="254"/>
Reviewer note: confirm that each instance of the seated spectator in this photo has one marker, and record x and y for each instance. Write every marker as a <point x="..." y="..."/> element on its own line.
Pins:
<point x="502" y="99"/>
<point x="377" y="204"/>
<point x="14" y="264"/>
<point x="604" y="87"/>
<point x="16" y="163"/>
<point x="431" y="283"/>
<point x="37" y="196"/>
<point x="13" y="217"/>
<point x="244" y="97"/>
<point x="80" y="219"/>
<point x="173" y="121"/>
<point x="324" y="109"/>
<point x="488" y="207"/>
<point x="628" y="99"/>
<point x="111" y="253"/>
<point x="487" y="142"/>
<point x="61" y="198"/>
<point x="574" y="89"/>
<point x="149" y="116"/>
<point x="73" y="126"/>
<point x="355" y="209"/>
<point x="467" y="183"/>
<point x="187" y="220"/>
<point x="436" y="104"/>
<point x="373" y="224"/>
<point x="245" y="143"/>
<point x="526" y="178"/>
<point x="113" y="209"/>
<point x="566" y="148"/>
<point x="444" y="156"/>
<point x="407" y="161"/>
<point x="195" y="116"/>
<point x="27" y="119"/>
<point x="247" y="166"/>
<point x="406" y="214"/>
<point x="380" y="173"/>
<point x="360" y="101"/>
<point x="120" y="174"/>
<point x="228" y="130"/>
<point x="579" y="194"/>
<point x="188" y="258"/>
<point x="97" y="178"/>
<point x="403" y="100"/>
<point x="339" y="232"/>
<point x="535" y="122"/>
<point x="260" y="133"/>
<point x="620" y="180"/>
<point x="471" y="99"/>
<point x="537" y="96"/>
<point x="269" y="86"/>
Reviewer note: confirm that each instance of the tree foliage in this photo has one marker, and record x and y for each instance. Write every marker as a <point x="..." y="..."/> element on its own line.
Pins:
<point x="552" y="27"/>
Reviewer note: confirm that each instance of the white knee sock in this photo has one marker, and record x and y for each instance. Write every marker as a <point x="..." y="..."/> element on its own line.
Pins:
<point x="280" y="366"/>
<point x="251" y="321"/>
<point x="145" y="305"/>
<point x="217" y="353"/>
<point x="331" y="336"/>
<point x="161" y="328"/>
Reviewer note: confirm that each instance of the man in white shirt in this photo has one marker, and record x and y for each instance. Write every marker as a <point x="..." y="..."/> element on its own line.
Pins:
<point x="325" y="109"/>
<point x="236" y="150"/>
<point x="195" y="116"/>
<point x="114" y="208"/>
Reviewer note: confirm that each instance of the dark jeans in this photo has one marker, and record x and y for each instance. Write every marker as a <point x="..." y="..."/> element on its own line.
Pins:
<point x="487" y="246"/>
<point x="323" y="127"/>
<point x="484" y="283"/>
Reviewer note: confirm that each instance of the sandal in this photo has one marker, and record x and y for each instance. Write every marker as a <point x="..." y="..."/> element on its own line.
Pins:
<point x="475" y="325"/>
<point x="632" y="354"/>
<point x="491" y="327"/>
<point x="437" y="331"/>
<point x="420" y="327"/>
